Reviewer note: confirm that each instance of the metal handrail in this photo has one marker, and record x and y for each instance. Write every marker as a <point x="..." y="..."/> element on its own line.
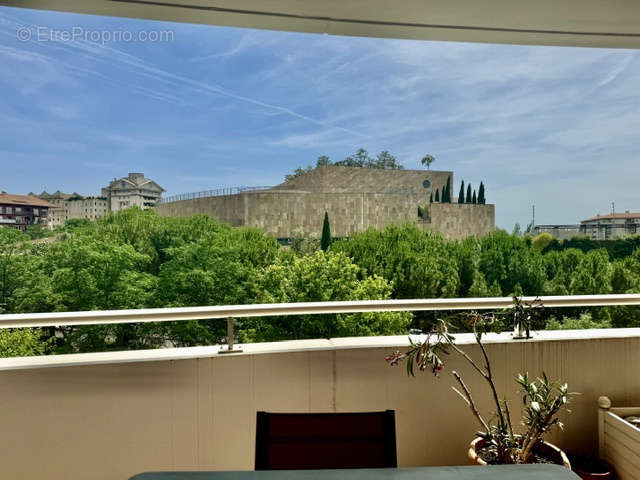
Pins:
<point x="219" y="192"/>
<point x="103" y="317"/>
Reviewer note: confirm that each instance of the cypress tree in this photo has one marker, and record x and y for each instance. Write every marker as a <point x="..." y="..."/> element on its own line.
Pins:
<point x="461" y="194"/>
<point x="468" y="199"/>
<point x="447" y="192"/>
<point x="481" y="198"/>
<point x="431" y="198"/>
<point x="437" y="195"/>
<point x="325" y="240"/>
<point x="474" y="199"/>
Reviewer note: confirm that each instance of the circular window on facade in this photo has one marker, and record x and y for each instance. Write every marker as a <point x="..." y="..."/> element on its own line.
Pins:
<point x="426" y="184"/>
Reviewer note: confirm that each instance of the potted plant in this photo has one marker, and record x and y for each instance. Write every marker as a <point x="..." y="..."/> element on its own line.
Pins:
<point x="498" y="441"/>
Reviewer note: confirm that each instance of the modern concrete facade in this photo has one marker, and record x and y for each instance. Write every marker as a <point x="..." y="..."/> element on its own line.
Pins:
<point x="355" y="199"/>
<point x="21" y="211"/>
<point x="611" y="226"/>
<point x="134" y="190"/>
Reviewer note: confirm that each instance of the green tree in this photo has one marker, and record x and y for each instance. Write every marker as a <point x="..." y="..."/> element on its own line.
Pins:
<point x="23" y="342"/>
<point x="437" y="199"/>
<point x="461" y="193"/>
<point x="468" y="199"/>
<point x="481" y="197"/>
<point x="593" y="275"/>
<point x="446" y="197"/>
<point x="431" y="197"/>
<point x="474" y="199"/>
<point x="321" y="277"/>
<point x="427" y="160"/>
<point x="12" y="264"/>
<point x="541" y="241"/>
<point x="325" y="239"/>
<point x="323" y="161"/>
<point x="37" y="231"/>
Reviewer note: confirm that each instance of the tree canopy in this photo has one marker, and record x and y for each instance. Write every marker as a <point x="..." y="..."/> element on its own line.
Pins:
<point x="135" y="259"/>
<point x="384" y="160"/>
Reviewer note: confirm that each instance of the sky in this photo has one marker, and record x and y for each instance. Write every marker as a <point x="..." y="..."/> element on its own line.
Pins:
<point x="85" y="99"/>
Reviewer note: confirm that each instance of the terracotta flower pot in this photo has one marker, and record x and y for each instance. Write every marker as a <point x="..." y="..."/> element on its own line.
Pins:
<point x="544" y="449"/>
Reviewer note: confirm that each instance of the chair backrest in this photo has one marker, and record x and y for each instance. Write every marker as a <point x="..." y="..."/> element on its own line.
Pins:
<point x="302" y="441"/>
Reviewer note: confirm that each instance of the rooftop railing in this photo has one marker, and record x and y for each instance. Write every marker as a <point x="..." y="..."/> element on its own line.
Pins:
<point x="212" y="193"/>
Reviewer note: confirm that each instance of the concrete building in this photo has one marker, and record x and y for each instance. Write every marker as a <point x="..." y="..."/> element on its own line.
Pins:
<point x="132" y="190"/>
<point x="90" y="208"/>
<point x="561" y="232"/>
<point x="21" y="211"/>
<point x="58" y="214"/>
<point x="611" y="226"/>
<point x="70" y="206"/>
<point x="355" y="199"/>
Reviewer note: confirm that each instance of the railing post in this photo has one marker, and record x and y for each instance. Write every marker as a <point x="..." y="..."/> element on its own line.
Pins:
<point x="230" y="337"/>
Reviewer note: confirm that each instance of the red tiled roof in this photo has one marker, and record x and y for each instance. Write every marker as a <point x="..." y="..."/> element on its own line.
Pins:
<point x="24" y="200"/>
<point x="613" y="216"/>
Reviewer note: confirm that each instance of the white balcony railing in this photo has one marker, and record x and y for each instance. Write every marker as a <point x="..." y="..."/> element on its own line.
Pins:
<point x="103" y="317"/>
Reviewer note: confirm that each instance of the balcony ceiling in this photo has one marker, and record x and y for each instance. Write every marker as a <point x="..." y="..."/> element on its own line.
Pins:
<point x="587" y="23"/>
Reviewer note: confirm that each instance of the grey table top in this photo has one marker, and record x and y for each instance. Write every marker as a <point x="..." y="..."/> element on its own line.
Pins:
<point x="515" y="472"/>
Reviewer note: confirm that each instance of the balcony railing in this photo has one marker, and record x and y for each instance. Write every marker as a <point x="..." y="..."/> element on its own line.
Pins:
<point x="113" y="414"/>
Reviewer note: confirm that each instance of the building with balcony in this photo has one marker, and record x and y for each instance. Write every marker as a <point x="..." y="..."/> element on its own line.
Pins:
<point x="134" y="190"/>
<point x="57" y="214"/>
<point x="20" y="211"/>
<point x="611" y="226"/>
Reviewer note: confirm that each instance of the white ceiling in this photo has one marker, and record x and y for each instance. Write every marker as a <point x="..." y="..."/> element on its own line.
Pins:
<point x="589" y="23"/>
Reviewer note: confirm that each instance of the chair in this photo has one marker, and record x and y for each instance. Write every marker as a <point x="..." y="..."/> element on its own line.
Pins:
<point x="302" y="441"/>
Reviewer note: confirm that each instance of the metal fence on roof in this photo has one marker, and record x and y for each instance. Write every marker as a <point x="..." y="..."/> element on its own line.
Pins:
<point x="212" y="193"/>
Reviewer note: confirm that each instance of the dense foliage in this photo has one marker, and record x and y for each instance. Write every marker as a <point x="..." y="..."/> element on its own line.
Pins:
<point x="135" y="259"/>
<point x="384" y="160"/>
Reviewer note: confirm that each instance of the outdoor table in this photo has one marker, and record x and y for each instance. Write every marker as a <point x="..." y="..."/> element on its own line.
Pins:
<point x="496" y="472"/>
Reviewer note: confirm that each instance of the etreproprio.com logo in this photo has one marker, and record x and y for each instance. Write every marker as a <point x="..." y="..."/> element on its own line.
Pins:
<point x="74" y="34"/>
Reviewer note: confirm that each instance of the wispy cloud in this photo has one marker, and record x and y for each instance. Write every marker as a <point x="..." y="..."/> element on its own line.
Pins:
<point x="219" y="107"/>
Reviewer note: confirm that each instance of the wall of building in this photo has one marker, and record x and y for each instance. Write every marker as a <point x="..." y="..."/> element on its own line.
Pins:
<point x="284" y="213"/>
<point x="90" y="208"/>
<point x="372" y="180"/>
<point x="457" y="221"/>
<point x="112" y="421"/>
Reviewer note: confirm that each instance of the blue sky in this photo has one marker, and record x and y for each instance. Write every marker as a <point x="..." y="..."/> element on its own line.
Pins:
<point x="215" y="107"/>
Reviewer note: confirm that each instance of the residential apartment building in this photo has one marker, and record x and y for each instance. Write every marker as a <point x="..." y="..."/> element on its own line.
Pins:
<point x="131" y="191"/>
<point x="611" y="226"/>
<point x="21" y="211"/>
<point x="70" y="206"/>
<point x="90" y="208"/>
<point x="58" y="214"/>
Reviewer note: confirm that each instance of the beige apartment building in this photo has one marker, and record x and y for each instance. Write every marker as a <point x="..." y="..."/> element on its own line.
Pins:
<point x="90" y="208"/>
<point x="611" y="226"/>
<point x="70" y="206"/>
<point x="134" y="190"/>
<point x="57" y="214"/>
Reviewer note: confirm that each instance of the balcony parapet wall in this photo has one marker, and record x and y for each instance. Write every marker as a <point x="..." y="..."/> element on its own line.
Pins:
<point x="111" y="415"/>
